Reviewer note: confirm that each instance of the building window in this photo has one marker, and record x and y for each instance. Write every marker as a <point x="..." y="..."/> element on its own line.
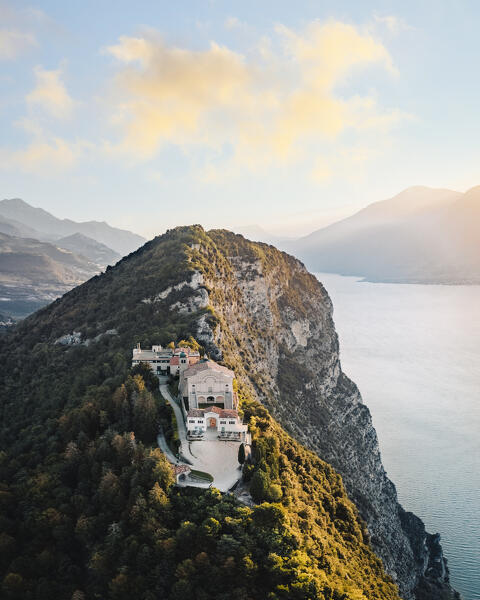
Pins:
<point x="232" y="422"/>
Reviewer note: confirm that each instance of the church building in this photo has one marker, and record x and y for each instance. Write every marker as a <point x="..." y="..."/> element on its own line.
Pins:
<point x="206" y="384"/>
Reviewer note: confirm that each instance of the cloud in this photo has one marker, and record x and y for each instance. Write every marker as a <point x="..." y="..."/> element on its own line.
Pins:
<point x="264" y="108"/>
<point x="234" y="23"/>
<point x="13" y="43"/>
<point x="171" y="93"/>
<point x="42" y="156"/>
<point x="321" y="171"/>
<point x="50" y="93"/>
<point x="392" y="23"/>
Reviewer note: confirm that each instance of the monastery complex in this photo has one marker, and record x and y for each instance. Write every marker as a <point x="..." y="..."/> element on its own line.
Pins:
<point x="205" y="390"/>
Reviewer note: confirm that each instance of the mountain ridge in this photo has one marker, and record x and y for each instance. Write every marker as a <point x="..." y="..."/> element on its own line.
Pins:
<point x="418" y="236"/>
<point x="90" y="248"/>
<point x="260" y="312"/>
<point x="119" y="240"/>
<point x="89" y="506"/>
<point x="33" y="273"/>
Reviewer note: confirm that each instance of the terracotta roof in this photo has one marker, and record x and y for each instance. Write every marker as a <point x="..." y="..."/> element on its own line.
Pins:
<point x="175" y="360"/>
<point x="207" y="365"/>
<point x="228" y="412"/>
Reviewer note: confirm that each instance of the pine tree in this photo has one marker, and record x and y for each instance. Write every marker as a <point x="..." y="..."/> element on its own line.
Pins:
<point x="241" y="454"/>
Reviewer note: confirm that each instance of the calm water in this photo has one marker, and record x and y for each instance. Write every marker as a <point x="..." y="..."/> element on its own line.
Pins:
<point x="414" y="352"/>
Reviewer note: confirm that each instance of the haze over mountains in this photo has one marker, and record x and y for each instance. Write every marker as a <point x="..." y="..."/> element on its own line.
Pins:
<point x="422" y="235"/>
<point x="42" y="225"/>
<point x="42" y="257"/>
<point x="96" y="251"/>
<point x="255" y="233"/>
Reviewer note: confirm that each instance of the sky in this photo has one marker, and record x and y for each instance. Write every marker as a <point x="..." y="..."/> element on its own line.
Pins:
<point x="287" y="115"/>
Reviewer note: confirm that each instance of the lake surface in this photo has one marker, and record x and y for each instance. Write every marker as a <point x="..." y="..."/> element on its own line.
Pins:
<point x="414" y="352"/>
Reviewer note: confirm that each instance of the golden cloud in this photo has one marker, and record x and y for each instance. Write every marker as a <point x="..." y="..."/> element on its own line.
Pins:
<point x="50" y="93"/>
<point x="40" y="156"/>
<point x="267" y="107"/>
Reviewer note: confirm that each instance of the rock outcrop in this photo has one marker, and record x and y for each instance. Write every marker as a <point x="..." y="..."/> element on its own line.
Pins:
<point x="272" y="321"/>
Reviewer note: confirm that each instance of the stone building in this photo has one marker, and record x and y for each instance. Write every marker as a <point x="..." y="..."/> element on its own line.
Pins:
<point x="165" y="361"/>
<point x="207" y="384"/>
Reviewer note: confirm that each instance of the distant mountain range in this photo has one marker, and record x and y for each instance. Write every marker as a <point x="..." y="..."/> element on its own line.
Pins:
<point x="41" y="225"/>
<point x="33" y="273"/>
<point x="95" y="251"/>
<point x="421" y="235"/>
<point x="42" y="257"/>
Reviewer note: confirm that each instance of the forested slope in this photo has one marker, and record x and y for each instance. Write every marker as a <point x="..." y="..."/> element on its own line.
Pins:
<point x="88" y="509"/>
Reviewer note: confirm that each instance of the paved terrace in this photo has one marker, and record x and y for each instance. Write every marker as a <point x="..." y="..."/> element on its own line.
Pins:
<point x="211" y="456"/>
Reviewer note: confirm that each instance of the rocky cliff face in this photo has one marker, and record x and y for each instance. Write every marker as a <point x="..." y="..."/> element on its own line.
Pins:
<point x="272" y="321"/>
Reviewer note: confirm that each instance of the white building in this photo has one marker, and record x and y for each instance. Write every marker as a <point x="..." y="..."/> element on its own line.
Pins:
<point x="225" y="422"/>
<point x="207" y="383"/>
<point x="157" y="357"/>
<point x="164" y="361"/>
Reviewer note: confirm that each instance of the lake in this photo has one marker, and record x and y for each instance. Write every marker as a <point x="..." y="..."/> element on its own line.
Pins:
<point x="414" y="352"/>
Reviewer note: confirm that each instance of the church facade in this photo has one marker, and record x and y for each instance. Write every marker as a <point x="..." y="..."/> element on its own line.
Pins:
<point x="208" y="384"/>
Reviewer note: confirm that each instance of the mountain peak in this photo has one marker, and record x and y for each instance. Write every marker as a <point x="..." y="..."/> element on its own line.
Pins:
<point x="420" y="235"/>
<point x="14" y="202"/>
<point x="235" y="298"/>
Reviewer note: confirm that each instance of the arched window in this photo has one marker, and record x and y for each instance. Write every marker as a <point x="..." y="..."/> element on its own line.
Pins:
<point x="210" y="399"/>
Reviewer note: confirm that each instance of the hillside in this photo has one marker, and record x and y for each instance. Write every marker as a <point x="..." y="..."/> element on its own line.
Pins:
<point x="95" y="251"/>
<point x="421" y="235"/>
<point x="91" y="507"/>
<point x="33" y="273"/>
<point x="17" y="229"/>
<point x="50" y="228"/>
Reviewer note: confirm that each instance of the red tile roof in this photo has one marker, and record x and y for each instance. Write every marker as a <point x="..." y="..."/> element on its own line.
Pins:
<point x="221" y="412"/>
<point x="207" y="365"/>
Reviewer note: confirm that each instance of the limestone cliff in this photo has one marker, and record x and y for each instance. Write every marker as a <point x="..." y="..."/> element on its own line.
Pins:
<point x="272" y="321"/>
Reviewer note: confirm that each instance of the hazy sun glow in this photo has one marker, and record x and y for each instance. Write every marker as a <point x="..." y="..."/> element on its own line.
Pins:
<point x="223" y="109"/>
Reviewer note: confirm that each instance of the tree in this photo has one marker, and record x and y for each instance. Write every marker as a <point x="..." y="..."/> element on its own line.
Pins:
<point x="190" y="343"/>
<point x="274" y="492"/>
<point x="259" y="486"/>
<point x="145" y="418"/>
<point x="13" y="586"/>
<point x="148" y="376"/>
<point x="241" y="454"/>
